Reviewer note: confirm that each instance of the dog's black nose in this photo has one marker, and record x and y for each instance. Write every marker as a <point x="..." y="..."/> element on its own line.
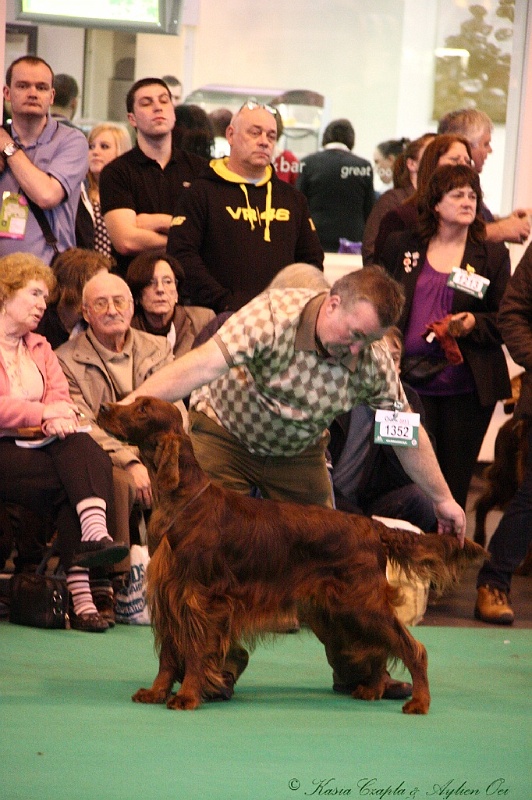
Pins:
<point x="104" y="407"/>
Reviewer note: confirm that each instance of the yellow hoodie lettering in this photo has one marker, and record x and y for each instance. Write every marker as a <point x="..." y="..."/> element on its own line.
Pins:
<point x="236" y="213"/>
<point x="177" y="221"/>
<point x="249" y="214"/>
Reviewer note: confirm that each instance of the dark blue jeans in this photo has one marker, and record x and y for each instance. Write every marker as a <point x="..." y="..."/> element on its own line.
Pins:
<point x="510" y="542"/>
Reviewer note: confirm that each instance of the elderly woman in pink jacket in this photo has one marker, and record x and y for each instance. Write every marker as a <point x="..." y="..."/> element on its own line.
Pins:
<point x="65" y="474"/>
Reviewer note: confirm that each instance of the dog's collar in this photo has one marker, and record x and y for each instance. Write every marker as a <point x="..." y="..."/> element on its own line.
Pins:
<point x="192" y="499"/>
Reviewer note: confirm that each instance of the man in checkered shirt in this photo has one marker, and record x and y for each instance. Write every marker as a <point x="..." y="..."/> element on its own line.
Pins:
<point x="266" y="386"/>
<point x="275" y="375"/>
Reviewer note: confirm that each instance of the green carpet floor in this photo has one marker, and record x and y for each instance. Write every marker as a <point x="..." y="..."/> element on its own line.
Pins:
<point x="68" y="730"/>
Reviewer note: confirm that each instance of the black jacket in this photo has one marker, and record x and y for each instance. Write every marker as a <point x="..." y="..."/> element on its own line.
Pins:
<point x="232" y="237"/>
<point x="481" y="349"/>
<point x="515" y="322"/>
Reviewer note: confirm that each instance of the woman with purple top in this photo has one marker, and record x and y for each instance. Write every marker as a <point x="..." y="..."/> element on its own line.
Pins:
<point x="454" y="281"/>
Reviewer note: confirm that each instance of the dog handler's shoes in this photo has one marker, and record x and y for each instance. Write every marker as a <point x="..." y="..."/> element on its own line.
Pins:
<point x="393" y="690"/>
<point x="493" y="606"/>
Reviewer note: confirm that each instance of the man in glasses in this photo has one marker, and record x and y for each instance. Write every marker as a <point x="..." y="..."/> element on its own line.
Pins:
<point x="275" y="375"/>
<point x="271" y="380"/>
<point x="108" y="361"/>
<point x="238" y="224"/>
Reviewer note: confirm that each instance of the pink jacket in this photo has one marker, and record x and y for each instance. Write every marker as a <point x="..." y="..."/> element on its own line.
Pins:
<point x="20" y="413"/>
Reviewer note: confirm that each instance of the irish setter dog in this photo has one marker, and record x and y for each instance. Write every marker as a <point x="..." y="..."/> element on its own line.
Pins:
<point x="225" y="566"/>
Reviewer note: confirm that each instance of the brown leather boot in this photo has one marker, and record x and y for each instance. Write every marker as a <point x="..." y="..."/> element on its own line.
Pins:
<point x="493" y="606"/>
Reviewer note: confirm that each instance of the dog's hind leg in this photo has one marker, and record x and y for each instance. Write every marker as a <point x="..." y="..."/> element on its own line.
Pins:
<point x="414" y="656"/>
<point x="161" y="688"/>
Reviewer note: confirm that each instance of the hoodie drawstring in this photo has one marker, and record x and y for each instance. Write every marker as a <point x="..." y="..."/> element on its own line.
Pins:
<point x="251" y="211"/>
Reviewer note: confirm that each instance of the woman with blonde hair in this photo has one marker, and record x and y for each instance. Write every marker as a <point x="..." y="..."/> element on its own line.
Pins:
<point x="107" y="141"/>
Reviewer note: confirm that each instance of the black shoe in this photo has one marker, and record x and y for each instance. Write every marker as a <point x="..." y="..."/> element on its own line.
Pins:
<point x="90" y="623"/>
<point x="105" y="608"/>
<point x="394" y="690"/>
<point x="95" y="554"/>
<point x="227" y="692"/>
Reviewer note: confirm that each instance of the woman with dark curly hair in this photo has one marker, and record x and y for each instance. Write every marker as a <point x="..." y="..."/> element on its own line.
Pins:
<point x="454" y="281"/>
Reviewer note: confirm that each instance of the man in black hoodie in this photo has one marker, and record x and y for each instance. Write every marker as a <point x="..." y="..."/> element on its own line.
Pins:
<point x="238" y="224"/>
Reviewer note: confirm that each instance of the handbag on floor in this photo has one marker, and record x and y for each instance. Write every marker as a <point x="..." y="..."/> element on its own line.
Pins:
<point x="38" y="599"/>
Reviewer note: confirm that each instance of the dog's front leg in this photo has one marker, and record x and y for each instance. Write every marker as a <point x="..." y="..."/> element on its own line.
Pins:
<point x="163" y="683"/>
<point x="189" y="695"/>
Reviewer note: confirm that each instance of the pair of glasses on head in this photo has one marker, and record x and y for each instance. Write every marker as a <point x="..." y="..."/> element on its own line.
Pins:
<point x="101" y="304"/>
<point x="252" y="104"/>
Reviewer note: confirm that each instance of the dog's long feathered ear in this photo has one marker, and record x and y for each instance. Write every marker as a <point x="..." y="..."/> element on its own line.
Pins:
<point x="166" y="462"/>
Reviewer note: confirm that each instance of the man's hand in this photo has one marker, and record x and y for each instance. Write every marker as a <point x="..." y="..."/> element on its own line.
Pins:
<point x="514" y="228"/>
<point x="451" y="519"/>
<point x="139" y="473"/>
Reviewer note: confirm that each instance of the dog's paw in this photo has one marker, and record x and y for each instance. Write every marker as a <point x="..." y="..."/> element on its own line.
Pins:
<point x="183" y="702"/>
<point x="367" y="693"/>
<point x="149" y="696"/>
<point x="416" y="706"/>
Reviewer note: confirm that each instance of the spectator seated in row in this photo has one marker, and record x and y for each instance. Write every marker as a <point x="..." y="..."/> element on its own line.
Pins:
<point x="154" y="279"/>
<point x="105" y="363"/>
<point x="63" y="317"/>
<point x="69" y="476"/>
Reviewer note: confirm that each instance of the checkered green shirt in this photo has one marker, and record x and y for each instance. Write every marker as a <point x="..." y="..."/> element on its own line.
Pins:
<point x="280" y="394"/>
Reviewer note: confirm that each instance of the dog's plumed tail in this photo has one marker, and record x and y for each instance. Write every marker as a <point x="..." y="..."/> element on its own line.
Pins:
<point x="433" y="557"/>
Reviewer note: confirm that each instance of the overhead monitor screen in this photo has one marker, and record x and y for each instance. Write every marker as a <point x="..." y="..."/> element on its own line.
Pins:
<point x="135" y="15"/>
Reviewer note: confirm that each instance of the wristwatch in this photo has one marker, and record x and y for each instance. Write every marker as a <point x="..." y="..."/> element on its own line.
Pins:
<point x="10" y="149"/>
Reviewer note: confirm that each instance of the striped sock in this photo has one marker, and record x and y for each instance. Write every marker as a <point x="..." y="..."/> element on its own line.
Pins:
<point x="93" y="520"/>
<point x="78" y="585"/>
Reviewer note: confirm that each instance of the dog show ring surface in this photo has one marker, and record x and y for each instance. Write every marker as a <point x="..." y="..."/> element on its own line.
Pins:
<point x="69" y="729"/>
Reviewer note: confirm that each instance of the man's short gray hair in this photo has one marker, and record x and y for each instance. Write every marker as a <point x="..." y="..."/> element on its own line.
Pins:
<point x="376" y="286"/>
